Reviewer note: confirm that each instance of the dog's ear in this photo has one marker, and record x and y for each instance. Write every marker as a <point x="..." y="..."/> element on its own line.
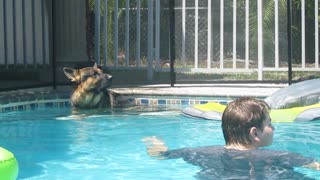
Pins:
<point x="95" y="65"/>
<point x="72" y="74"/>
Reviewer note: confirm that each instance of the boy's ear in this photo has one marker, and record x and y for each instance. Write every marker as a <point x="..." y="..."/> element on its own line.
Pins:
<point x="254" y="134"/>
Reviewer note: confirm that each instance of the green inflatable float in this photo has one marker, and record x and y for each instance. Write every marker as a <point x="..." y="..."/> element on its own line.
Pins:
<point x="8" y="165"/>
<point x="213" y="111"/>
<point x="297" y="102"/>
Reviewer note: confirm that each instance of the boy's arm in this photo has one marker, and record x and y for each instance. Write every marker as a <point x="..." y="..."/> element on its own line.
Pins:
<point x="313" y="165"/>
<point x="155" y="146"/>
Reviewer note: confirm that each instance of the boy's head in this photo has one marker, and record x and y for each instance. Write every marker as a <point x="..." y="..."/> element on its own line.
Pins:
<point x="246" y="122"/>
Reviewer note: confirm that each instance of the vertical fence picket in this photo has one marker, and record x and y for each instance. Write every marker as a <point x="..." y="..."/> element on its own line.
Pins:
<point x="234" y="35"/>
<point x="276" y="32"/>
<point x="44" y="34"/>
<point x="260" y="40"/>
<point x="34" y="38"/>
<point x="183" y="39"/>
<point x="5" y="43"/>
<point x="209" y="49"/>
<point x="247" y="34"/>
<point x="196" y="31"/>
<point x="14" y="24"/>
<point x="221" y="32"/>
<point x="24" y="35"/>
<point x="316" y="27"/>
<point x="303" y="34"/>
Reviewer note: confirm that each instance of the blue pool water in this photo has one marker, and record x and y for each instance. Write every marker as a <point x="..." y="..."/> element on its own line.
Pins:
<point x="49" y="144"/>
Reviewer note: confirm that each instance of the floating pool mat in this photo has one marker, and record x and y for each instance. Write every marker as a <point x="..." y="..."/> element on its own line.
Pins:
<point x="297" y="102"/>
<point x="8" y="165"/>
<point x="213" y="111"/>
<point x="296" y="95"/>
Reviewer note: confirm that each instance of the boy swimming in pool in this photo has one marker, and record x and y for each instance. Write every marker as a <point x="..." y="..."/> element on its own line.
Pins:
<point x="246" y="127"/>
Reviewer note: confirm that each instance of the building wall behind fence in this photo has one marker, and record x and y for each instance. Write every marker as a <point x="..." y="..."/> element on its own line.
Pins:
<point x="27" y="35"/>
<point x="70" y="31"/>
<point x="24" y="32"/>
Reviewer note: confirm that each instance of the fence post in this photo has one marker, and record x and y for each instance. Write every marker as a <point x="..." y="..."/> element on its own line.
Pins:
<point x="105" y="33"/>
<point x="150" y="40"/>
<point x="172" y="42"/>
<point x="157" y="43"/>
<point x="138" y="25"/>
<point x="127" y="34"/>
<point x="97" y="31"/>
<point x="115" y="30"/>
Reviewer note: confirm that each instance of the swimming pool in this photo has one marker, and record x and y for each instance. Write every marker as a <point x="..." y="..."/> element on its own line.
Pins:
<point x="50" y="144"/>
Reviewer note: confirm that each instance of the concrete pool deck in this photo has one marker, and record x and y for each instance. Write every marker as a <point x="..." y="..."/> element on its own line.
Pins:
<point x="230" y="90"/>
<point x="178" y="90"/>
<point x="189" y="94"/>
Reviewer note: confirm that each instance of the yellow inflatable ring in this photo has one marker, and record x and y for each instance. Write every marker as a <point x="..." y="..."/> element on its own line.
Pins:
<point x="8" y="165"/>
<point x="213" y="111"/>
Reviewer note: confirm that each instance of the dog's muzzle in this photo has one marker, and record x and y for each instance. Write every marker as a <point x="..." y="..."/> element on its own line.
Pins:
<point x="108" y="77"/>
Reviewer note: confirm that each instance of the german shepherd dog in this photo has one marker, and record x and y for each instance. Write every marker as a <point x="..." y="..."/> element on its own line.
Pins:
<point x="91" y="87"/>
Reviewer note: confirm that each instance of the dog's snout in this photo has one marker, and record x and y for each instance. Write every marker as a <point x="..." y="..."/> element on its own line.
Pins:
<point x="108" y="76"/>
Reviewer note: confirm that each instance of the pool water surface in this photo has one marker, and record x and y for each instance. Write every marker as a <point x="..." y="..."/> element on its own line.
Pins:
<point x="51" y="144"/>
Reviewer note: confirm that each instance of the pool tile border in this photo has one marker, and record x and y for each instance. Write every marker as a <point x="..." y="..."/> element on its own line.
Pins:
<point x="33" y="100"/>
<point x="29" y="99"/>
<point x="62" y="103"/>
<point x="31" y="105"/>
<point x="23" y="100"/>
<point x="175" y="101"/>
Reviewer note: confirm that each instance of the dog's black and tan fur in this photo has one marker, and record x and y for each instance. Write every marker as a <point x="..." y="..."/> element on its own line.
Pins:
<point x="91" y="89"/>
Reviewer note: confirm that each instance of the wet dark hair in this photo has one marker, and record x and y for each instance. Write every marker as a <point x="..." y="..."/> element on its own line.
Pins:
<point x="240" y="116"/>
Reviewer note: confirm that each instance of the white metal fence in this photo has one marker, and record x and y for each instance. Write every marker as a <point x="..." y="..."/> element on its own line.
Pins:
<point x="211" y="36"/>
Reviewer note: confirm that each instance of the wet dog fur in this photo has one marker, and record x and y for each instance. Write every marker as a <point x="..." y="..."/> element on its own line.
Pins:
<point x="91" y="87"/>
